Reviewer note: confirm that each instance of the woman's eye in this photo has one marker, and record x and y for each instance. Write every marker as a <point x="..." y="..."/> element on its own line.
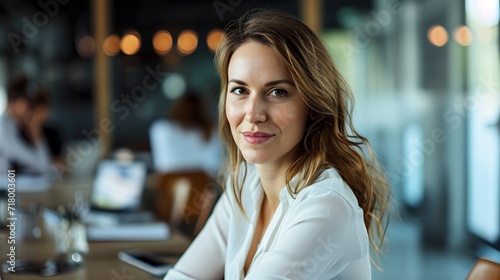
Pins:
<point x="278" y="92"/>
<point x="238" y="91"/>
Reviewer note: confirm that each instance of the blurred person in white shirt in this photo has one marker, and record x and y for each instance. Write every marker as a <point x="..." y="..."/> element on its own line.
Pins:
<point x="187" y="140"/>
<point x="23" y="146"/>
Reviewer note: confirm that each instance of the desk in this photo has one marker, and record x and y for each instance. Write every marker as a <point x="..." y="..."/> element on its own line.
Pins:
<point x="101" y="261"/>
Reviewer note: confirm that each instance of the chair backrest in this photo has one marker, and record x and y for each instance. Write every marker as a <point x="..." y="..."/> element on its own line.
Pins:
<point x="484" y="270"/>
<point x="185" y="199"/>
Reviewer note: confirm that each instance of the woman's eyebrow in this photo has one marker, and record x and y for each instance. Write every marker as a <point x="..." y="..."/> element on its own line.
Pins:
<point x="237" y="81"/>
<point x="271" y="83"/>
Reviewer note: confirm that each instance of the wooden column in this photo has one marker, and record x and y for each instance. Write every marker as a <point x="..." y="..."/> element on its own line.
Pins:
<point x="311" y="14"/>
<point x="102" y="88"/>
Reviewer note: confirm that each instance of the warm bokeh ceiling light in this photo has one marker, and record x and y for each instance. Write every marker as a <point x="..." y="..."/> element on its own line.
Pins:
<point x="162" y="42"/>
<point x="130" y="44"/>
<point x="214" y="38"/>
<point x="463" y="36"/>
<point x="437" y="35"/>
<point x="86" y="46"/>
<point x="187" y="42"/>
<point x="111" y="45"/>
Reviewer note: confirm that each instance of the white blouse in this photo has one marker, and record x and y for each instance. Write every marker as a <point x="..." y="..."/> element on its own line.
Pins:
<point x="318" y="235"/>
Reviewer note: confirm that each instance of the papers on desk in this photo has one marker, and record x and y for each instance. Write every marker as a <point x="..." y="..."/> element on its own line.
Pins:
<point x="129" y="232"/>
<point x="133" y="226"/>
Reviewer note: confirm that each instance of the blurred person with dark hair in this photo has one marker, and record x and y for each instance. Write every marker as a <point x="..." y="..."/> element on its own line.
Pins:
<point x="186" y="140"/>
<point x="41" y="109"/>
<point x="23" y="146"/>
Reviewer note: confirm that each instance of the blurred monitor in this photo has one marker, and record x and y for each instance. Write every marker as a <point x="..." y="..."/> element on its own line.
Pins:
<point x="118" y="186"/>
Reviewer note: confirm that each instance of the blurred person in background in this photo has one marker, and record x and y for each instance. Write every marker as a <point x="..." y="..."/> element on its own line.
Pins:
<point x="302" y="199"/>
<point x="23" y="146"/>
<point x="187" y="140"/>
<point x="41" y="109"/>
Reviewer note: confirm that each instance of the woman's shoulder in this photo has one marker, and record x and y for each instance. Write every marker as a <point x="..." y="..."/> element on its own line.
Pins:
<point x="329" y="184"/>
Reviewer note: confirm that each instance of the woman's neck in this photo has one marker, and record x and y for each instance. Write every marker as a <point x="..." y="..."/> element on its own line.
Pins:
<point x="272" y="179"/>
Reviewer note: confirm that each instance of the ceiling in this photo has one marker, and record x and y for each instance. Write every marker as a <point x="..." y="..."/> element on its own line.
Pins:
<point x="202" y="13"/>
<point x="74" y="18"/>
<point x="154" y="14"/>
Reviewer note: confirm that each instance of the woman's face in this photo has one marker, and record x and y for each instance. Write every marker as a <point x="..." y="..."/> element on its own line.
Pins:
<point x="266" y="114"/>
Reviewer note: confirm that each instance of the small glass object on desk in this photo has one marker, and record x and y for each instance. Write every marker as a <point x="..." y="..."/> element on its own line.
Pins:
<point x="71" y="241"/>
<point x="54" y="242"/>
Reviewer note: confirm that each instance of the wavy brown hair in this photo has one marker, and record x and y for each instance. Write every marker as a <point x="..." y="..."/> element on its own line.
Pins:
<point x="330" y="139"/>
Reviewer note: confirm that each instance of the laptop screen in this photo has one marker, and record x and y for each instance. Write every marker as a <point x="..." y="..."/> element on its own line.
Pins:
<point x="118" y="186"/>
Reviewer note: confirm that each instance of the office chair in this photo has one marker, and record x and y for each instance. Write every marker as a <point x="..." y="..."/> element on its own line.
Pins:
<point x="185" y="200"/>
<point x="484" y="270"/>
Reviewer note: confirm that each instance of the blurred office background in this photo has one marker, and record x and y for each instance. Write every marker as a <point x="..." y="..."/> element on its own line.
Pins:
<point x="425" y="75"/>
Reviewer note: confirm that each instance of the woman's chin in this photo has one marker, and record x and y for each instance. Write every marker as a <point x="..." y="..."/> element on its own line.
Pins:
<point x="256" y="158"/>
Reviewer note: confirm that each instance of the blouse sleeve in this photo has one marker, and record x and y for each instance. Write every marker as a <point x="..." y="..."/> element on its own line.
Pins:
<point x="324" y="237"/>
<point x="204" y="259"/>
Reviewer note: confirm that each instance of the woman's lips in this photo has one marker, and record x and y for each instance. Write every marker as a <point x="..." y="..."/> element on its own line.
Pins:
<point x="257" y="137"/>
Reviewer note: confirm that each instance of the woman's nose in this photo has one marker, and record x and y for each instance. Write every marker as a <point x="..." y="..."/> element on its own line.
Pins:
<point x="256" y="110"/>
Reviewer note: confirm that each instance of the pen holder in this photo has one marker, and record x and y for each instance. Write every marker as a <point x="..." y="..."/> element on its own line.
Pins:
<point x="71" y="242"/>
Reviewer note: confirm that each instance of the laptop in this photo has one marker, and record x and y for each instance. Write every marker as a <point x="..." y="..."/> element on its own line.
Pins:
<point x="115" y="203"/>
<point x="118" y="186"/>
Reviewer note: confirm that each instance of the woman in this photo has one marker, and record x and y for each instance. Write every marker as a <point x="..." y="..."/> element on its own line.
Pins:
<point x="301" y="202"/>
